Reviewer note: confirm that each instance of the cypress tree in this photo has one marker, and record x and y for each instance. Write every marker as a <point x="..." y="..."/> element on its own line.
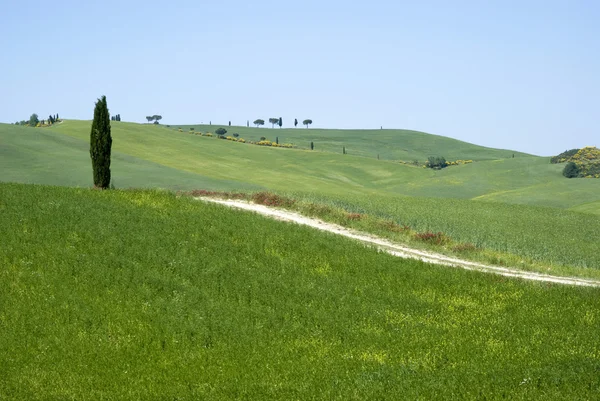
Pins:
<point x="100" y="144"/>
<point x="312" y="146"/>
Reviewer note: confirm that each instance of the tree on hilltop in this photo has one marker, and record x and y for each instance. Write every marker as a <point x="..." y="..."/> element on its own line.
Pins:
<point x="34" y="120"/>
<point x="280" y="122"/>
<point x="149" y="118"/>
<point x="259" y="122"/>
<point x="100" y="144"/>
<point x="273" y="121"/>
<point x="295" y="122"/>
<point x="307" y="122"/>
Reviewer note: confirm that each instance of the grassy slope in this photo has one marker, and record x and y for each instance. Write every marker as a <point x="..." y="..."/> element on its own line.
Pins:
<point x="524" y="179"/>
<point x="388" y="144"/>
<point x="544" y="239"/>
<point x="140" y="295"/>
<point x="44" y="156"/>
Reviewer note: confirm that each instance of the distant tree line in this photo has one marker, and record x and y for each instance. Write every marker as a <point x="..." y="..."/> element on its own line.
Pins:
<point x="116" y="117"/>
<point x="34" y="121"/>
<point x="279" y="121"/>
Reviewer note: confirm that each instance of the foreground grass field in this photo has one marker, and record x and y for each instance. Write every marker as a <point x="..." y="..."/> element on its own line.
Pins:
<point x="140" y="294"/>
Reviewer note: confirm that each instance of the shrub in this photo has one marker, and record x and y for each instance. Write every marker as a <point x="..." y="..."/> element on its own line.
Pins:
<point x="438" y="238"/>
<point x="220" y="131"/>
<point x="436" y="162"/>
<point x="571" y="170"/>
<point x="236" y="134"/>
<point x="262" y="138"/>
<point x="353" y="216"/>
<point x="564" y="156"/>
<point x="269" y="199"/>
<point x="191" y="128"/>
<point x="393" y="226"/>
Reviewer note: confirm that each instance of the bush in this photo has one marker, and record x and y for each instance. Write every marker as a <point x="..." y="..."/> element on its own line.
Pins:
<point x="564" y="156"/>
<point x="436" y="162"/>
<point x="262" y="138"/>
<point x="438" y="238"/>
<point x="571" y="170"/>
<point x="220" y="131"/>
<point x="235" y="135"/>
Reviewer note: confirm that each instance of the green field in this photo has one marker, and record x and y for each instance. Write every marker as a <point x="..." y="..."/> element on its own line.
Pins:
<point x="146" y="295"/>
<point x="157" y="156"/>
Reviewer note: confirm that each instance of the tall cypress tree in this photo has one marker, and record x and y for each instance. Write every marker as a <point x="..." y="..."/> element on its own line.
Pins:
<point x="100" y="144"/>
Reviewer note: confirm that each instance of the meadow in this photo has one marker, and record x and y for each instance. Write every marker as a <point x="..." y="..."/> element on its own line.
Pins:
<point x="144" y="294"/>
<point x="153" y="156"/>
<point x="510" y="211"/>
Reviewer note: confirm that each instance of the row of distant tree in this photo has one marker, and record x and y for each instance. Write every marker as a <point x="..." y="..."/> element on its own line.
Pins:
<point x="34" y="120"/>
<point x="116" y="117"/>
<point x="279" y="121"/>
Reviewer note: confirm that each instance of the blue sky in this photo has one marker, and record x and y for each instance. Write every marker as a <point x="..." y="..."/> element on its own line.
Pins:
<point x="522" y="75"/>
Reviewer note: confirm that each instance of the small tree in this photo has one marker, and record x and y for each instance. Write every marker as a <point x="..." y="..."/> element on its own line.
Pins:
<point x="307" y="122"/>
<point x="230" y="123"/>
<point x="149" y="118"/>
<point x="247" y="123"/>
<point x="571" y="170"/>
<point x="295" y="122"/>
<point x="220" y="131"/>
<point x="280" y="122"/>
<point x="277" y="140"/>
<point x="259" y="122"/>
<point x="312" y="146"/>
<point x="273" y="121"/>
<point x="157" y="118"/>
<point x="100" y="144"/>
<point x="33" y="120"/>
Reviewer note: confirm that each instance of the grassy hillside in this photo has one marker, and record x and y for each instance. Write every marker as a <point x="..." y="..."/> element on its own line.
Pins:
<point x="156" y="156"/>
<point x="388" y="144"/>
<point x="142" y="295"/>
<point x="43" y="156"/>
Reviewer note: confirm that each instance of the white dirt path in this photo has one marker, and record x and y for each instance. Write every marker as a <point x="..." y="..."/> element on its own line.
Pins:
<point x="399" y="250"/>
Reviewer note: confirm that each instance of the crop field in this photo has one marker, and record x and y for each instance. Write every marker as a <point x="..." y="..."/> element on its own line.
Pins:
<point x="543" y="239"/>
<point x="143" y="294"/>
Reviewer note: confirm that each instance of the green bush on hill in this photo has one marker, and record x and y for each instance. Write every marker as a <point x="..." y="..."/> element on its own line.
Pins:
<point x="564" y="156"/>
<point x="436" y="162"/>
<point x="571" y="170"/>
<point x="584" y="163"/>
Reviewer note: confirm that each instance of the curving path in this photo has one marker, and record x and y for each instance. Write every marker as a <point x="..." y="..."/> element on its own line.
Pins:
<point x="399" y="250"/>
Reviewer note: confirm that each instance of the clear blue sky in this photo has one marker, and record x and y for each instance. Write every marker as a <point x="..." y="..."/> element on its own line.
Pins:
<point x="522" y="75"/>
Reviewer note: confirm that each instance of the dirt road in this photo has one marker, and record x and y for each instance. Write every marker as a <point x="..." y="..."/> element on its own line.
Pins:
<point x="396" y="249"/>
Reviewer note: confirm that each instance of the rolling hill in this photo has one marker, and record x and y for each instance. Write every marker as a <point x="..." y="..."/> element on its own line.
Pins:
<point x="157" y="156"/>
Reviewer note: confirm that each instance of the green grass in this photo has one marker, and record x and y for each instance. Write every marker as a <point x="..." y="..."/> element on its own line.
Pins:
<point x="43" y="156"/>
<point x="156" y="156"/>
<point x="143" y="295"/>
<point x="393" y="144"/>
<point x="543" y="239"/>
